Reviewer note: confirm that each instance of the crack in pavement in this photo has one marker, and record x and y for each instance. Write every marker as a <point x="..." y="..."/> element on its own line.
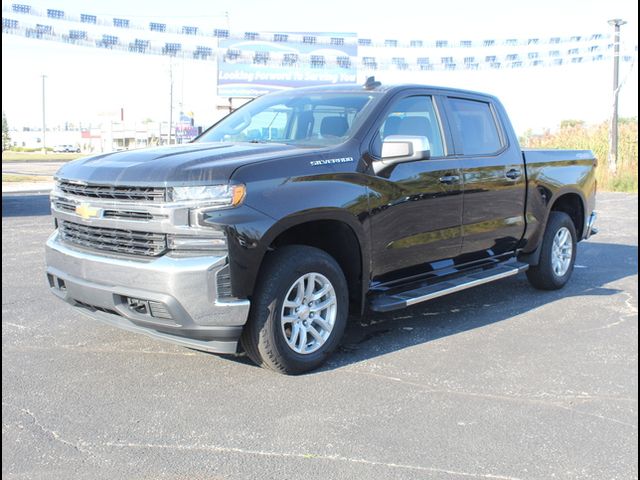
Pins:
<point x="49" y="432"/>
<point x="90" y="447"/>
<point x="20" y="327"/>
<point x="306" y="456"/>
<point x="631" y="311"/>
<point x="491" y="396"/>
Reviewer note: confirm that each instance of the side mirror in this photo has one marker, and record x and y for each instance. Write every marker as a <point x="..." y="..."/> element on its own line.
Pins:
<point x="402" y="148"/>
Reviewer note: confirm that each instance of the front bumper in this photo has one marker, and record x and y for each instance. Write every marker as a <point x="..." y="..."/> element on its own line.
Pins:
<point x="171" y="298"/>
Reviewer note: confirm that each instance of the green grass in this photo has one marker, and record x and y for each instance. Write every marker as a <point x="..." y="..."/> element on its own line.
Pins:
<point x="12" y="177"/>
<point x="8" y="156"/>
<point x="596" y="138"/>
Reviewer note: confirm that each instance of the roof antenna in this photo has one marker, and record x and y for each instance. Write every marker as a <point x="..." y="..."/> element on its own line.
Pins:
<point x="371" y="83"/>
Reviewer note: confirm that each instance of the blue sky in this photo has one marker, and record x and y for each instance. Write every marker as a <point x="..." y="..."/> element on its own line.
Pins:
<point x="88" y="84"/>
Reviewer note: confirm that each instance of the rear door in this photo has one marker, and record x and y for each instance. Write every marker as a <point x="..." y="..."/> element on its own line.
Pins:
<point x="494" y="178"/>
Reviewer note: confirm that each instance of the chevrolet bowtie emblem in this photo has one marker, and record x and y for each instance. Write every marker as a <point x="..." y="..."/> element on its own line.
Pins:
<point x="86" y="211"/>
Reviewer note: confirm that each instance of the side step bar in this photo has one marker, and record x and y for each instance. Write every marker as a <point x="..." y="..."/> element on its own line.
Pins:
<point x="386" y="303"/>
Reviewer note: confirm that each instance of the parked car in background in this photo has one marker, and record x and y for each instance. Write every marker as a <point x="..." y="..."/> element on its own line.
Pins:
<point x="66" y="149"/>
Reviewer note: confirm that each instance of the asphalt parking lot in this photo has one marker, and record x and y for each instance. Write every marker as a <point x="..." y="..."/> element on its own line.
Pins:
<point x="499" y="382"/>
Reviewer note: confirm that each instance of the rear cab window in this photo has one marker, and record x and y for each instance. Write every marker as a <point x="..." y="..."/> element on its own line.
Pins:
<point x="474" y="126"/>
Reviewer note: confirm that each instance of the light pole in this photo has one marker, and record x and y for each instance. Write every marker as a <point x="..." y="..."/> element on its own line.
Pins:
<point x="170" y="98"/>
<point x="613" y="129"/>
<point x="44" y="123"/>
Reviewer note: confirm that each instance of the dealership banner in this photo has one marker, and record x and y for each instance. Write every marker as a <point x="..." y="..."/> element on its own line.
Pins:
<point x="251" y="63"/>
<point x="247" y="68"/>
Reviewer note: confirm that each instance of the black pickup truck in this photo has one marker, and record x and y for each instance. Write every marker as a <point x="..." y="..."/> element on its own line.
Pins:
<point x="306" y="206"/>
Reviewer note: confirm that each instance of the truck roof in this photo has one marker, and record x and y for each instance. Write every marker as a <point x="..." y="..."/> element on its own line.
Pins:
<point x="386" y="88"/>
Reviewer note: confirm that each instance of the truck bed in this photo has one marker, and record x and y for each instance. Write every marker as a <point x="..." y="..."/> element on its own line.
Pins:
<point x="536" y="156"/>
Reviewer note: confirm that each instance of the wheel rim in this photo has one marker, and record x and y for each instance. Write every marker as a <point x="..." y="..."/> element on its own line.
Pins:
<point x="562" y="252"/>
<point x="309" y="313"/>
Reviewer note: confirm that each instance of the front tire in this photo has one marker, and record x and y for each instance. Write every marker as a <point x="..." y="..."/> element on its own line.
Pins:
<point x="558" y="254"/>
<point x="299" y="311"/>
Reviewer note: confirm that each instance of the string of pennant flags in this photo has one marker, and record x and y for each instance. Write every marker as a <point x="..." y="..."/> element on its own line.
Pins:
<point x="345" y="51"/>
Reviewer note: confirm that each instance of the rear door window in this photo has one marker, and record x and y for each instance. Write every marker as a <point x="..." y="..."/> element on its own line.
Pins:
<point x="475" y="126"/>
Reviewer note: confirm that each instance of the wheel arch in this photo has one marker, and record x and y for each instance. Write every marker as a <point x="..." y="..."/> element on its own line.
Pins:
<point x="573" y="204"/>
<point x="337" y="233"/>
<point x="570" y="201"/>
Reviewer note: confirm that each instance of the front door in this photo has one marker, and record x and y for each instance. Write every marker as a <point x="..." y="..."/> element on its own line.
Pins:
<point x="416" y="207"/>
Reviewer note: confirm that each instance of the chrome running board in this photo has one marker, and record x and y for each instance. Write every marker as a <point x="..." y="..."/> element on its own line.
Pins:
<point x="386" y="303"/>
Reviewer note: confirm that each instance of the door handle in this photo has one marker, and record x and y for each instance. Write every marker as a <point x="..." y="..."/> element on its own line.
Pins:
<point x="449" y="179"/>
<point x="513" y="174"/>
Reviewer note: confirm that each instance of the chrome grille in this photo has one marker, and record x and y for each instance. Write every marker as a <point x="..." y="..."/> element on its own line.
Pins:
<point x="145" y="194"/>
<point x="68" y="206"/>
<point x="94" y="308"/>
<point x="64" y="205"/>
<point x="127" y="215"/>
<point x="159" y="310"/>
<point x="113" y="240"/>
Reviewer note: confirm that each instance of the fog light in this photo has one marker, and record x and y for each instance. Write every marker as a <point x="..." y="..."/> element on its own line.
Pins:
<point x="138" y="305"/>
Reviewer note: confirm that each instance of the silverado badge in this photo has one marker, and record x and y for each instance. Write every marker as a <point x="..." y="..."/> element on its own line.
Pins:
<point x="86" y="211"/>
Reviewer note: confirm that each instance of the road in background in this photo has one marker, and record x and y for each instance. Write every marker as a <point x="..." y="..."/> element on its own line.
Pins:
<point x="45" y="169"/>
<point x="501" y="381"/>
<point x="33" y="176"/>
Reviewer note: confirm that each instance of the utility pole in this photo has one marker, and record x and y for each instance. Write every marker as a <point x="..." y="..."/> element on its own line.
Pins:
<point x="613" y="129"/>
<point x="170" y="98"/>
<point x="44" y="123"/>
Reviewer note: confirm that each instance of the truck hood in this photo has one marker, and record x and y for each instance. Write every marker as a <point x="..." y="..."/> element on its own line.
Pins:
<point x="192" y="164"/>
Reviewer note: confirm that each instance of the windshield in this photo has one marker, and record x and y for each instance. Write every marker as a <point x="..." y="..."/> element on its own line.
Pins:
<point x="304" y="119"/>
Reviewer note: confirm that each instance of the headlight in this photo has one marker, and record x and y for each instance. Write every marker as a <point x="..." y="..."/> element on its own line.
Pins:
<point x="216" y="243"/>
<point x="209" y="195"/>
<point x="55" y="191"/>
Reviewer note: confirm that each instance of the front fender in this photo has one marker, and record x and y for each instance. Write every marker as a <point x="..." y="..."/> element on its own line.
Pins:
<point x="273" y="206"/>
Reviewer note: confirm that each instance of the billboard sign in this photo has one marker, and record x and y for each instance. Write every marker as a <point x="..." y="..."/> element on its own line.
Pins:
<point x="249" y="68"/>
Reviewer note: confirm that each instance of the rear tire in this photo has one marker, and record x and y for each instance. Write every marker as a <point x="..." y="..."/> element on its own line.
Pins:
<point x="558" y="254"/>
<point x="299" y="310"/>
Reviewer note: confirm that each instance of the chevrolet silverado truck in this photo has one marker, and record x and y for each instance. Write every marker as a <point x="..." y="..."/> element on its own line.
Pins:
<point x="308" y="206"/>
